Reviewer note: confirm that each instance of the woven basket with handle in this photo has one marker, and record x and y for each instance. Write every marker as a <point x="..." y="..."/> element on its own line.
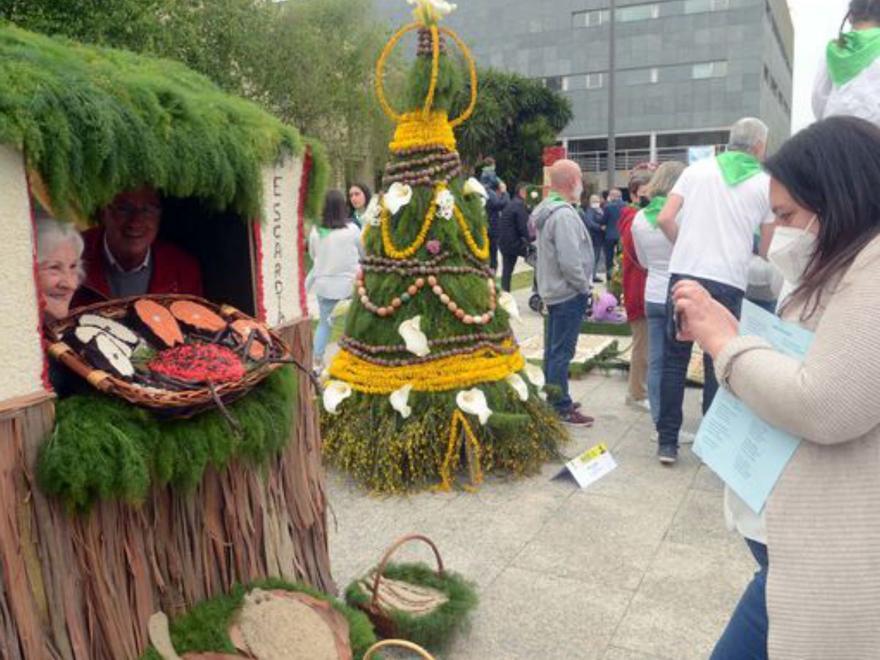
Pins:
<point x="183" y="402"/>
<point x="412" y="601"/>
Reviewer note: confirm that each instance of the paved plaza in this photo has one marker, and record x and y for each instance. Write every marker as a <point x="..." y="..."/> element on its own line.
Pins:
<point x="638" y="566"/>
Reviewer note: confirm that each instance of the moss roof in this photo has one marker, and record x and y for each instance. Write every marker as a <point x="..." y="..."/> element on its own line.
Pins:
<point x="95" y="121"/>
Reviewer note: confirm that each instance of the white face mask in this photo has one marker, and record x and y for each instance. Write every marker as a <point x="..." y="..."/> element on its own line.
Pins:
<point x="595" y="205"/>
<point x="791" y="250"/>
<point x="578" y="192"/>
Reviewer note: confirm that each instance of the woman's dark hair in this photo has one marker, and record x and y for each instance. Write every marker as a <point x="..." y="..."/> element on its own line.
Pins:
<point x="860" y="11"/>
<point x="832" y="169"/>
<point x="364" y="188"/>
<point x="335" y="214"/>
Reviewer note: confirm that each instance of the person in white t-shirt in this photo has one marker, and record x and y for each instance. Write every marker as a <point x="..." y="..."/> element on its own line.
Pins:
<point x="653" y="250"/>
<point x="848" y="82"/>
<point x="711" y="216"/>
<point x="336" y="249"/>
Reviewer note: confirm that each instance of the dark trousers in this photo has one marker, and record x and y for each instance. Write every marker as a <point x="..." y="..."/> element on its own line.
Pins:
<point x="610" y="248"/>
<point x="677" y="357"/>
<point x="508" y="263"/>
<point x="745" y="637"/>
<point x="493" y="252"/>
<point x="560" y="340"/>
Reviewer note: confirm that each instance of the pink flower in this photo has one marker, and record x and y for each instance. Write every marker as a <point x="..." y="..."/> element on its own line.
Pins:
<point x="433" y="247"/>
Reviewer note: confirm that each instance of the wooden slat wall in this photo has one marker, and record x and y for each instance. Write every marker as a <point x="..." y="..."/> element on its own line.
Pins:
<point x="83" y="587"/>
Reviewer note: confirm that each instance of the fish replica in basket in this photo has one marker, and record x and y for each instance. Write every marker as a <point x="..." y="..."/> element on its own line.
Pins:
<point x="429" y="370"/>
<point x="175" y="354"/>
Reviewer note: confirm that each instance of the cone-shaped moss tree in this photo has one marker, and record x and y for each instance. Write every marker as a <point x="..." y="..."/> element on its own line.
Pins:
<point x="429" y="371"/>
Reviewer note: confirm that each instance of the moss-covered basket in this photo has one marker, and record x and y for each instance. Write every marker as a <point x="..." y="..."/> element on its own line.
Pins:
<point x="205" y="627"/>
<point x="433" y="630"/>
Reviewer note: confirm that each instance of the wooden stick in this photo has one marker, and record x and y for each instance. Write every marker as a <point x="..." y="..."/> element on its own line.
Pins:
<point x="308" y="372"/>
<point x="234" y="426"/>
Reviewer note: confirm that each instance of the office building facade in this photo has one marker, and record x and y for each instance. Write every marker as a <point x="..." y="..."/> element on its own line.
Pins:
<point x="685" y="70"/>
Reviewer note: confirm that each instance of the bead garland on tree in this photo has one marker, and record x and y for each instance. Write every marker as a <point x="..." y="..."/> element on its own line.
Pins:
<point x="437" y="289"/>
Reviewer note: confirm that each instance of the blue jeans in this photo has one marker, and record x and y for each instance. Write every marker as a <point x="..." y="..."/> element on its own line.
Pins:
<point x="745" y="637"/>
<point x="656" y="315"/>
<point x="560" y="340"/>
<point x="677" y="357"/>
<point x="322" y="334"/>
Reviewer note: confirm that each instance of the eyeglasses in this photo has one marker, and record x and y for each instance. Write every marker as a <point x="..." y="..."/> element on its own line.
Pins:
<point x="131" y="210"/>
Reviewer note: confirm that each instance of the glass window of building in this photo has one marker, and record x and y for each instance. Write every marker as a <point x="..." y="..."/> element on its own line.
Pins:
<point x="638" y="13"/>
<point x="592" y="18"/>
<point x="700" y="6"/>
<point x="574" y="82"/>
<point x="705" y="70"/>
<point x="553" y="82"/>
<point x="595" y="80"/>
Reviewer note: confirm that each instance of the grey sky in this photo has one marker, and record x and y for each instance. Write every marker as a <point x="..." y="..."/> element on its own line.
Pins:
<point x="815" y="23"/>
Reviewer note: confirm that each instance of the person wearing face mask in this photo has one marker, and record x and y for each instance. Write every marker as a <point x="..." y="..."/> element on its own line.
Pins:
<point x="817" y="592"/>
<point x="565" y="265"/>
<point x="634" y="276"/>
<point x="711" y="216"/>
<point x="848" y="82"/>
<point x="593" y="217"/>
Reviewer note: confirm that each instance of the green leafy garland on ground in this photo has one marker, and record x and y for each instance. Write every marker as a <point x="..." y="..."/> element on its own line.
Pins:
<point x="94" y="121"/>
<point x="432" y="630"/>
<point x="205" y="627"/>
<point x="105" y="448"/>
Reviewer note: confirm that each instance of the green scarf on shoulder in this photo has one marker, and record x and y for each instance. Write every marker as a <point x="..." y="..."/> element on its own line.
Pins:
<point x="652" y="210"/>
<point x="858" y="52"/>
<point x="738" y="166"/>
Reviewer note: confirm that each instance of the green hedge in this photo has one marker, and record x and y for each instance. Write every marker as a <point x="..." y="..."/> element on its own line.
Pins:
<point x="105" y="448"/>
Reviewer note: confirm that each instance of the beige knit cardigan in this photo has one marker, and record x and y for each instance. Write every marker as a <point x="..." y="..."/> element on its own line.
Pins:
<point x="823" y="517"/>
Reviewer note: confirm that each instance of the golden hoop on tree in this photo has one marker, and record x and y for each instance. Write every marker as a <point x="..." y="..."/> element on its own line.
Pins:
<point x="395" y="116"/>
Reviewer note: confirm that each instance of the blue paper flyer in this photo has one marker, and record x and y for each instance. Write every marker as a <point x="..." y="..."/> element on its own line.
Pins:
<point x="748" y="454"/>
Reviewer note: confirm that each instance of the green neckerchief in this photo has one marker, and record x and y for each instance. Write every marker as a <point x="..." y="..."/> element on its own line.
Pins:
<point x="858" y="52"/>
<point x="738" y="166"/>
<point x="652" y="210"/>
<point x="554" y="196"/>
<point x="324" y="231"/>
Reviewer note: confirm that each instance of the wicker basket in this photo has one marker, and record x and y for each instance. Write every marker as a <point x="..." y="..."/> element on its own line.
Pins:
<point x="400" y="643"/>
<point x="414" y="625"/>
<point x="180" y="403"/>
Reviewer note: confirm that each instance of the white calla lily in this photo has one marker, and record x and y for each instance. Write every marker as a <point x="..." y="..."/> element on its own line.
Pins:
<point x="335" y="392"/>
<point x="507" y="302"/>
<point x="474" y="402"/>
<point x="473" y="187"/>
<point x="519" y="386"/>
<point x="373" y="213"/>
<point x="399" y="400"/>
<point x="398" y="196"/>
<point x="445" y="204"/>
<point x="416" y="340"/>
<point x="535" y="375"/>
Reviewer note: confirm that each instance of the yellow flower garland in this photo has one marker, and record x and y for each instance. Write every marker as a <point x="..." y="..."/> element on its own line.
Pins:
<point x="396" y="117"/>
<point x="452" y="373"/>
<point x="450" y="461"/>
<point x="419" y="130"/>
<point x="481" y="253"/>
<point x="391" y="250"/>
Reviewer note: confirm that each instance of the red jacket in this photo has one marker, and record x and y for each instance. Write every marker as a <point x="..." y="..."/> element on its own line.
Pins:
<point x="174" y="271"/>
<point x="634" y="274"/>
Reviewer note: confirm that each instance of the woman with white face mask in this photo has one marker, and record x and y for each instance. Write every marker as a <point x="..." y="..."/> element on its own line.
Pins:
<point x="818" y="596"/>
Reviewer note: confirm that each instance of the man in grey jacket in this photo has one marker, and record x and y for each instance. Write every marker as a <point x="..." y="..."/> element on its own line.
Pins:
<point x="565" y="270"/>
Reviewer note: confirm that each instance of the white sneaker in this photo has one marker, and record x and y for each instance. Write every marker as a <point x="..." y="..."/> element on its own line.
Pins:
<point x="642" y="405"/>
<point x="685" y="438"/>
